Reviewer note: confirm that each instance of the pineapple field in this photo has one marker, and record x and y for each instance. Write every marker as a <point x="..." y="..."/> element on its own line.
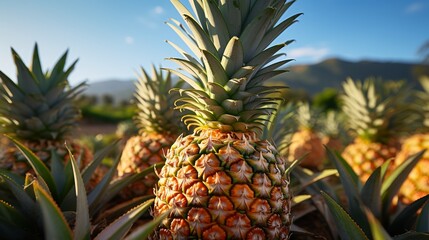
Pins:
<point x="214" y="147"/>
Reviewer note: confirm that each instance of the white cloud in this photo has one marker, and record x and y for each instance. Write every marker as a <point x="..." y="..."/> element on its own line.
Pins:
<point x="152" y="19"/>
<point x="129" y="40"/>
<point x="308" y="52"/>
<point x="158" y="10"/>
<point x="414" y="7"/>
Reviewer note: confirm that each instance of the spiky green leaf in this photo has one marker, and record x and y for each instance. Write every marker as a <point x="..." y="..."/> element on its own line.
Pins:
<point x="216" y="25"/>
<point x="27" y="204"/>
<point x="370" y="193"/>
<point x="201" y="37"/>
<point x="422" y="223"/>
<point x="377" y="230"/>
<point x="351" y="184"/>
<point x="394" y="181"/>
<point x="54" y="223"/>
<point x="44" y="175"/>
<point x="82" y="225"/>
<point x="232" y="58"/>
<point x="347" y="227"/>
<point x="215" y="72"/>
<point x="119" y="228"/>
<point x="406" y="218"/>
<point x="144" y="231"/>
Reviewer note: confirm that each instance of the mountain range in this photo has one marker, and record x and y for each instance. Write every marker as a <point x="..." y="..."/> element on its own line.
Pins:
<point x="311" y="78"/>
<point x="330" y="73"/>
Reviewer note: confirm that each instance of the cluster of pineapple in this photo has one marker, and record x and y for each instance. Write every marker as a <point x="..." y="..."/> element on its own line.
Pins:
<point x="218" y="178"/>
<point x="377" y="121"/>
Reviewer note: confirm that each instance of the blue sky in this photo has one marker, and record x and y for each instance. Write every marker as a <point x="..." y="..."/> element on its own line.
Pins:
<point x="113" y="38"/>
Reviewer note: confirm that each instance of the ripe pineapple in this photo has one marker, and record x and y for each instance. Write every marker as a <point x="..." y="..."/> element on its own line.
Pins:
<point x="159" y="126"/>
<point x="223" y="181"/>
<point x="38" y="111"/>
<point x="375" y="115"/>
<point x="417" y="183"/>
<point x="306" y="142"/>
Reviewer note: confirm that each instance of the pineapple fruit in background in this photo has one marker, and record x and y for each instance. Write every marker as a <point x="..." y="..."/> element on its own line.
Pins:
<point x="223" y="181"/>
<point x="376" y="115"/>
<point x="159" y="126"/>
<point x="38" y="110"/>
<point x="417" y="183"/>
<point x="306" y="142"/>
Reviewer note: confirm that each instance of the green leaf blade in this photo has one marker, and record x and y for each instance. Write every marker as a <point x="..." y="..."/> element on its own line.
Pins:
<point x="348" y="228"/>
<point x="394" y="181"/>
<point x="119" y="228"/>
<point x="83" y="225"/>
<point x="422" y="224"/>
<point x="55" y="225"/>
<point x="45" y="177"/>
<point x="145" y="231"/>
<point x="370" y="193"/>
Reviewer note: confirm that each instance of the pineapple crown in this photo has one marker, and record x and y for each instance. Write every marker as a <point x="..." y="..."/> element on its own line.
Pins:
<point x="306" y="116"/>
<point x="332" y="124"/>
<point x="233" y="59"/>
<point x="39" y="105"/>
<point x="155" y="103"/>
<point x="375" y="109"/>
<point x="422" y="106"/>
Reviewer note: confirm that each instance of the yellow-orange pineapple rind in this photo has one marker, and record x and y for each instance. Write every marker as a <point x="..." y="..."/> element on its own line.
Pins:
<point x="223" y="185"/>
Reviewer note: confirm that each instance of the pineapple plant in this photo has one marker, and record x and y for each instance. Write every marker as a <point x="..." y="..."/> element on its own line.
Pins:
<point x="159" y="125"/>
<point x="417" y="183"/>
<point x="54" y="204"/>
<point x="306" y="142"/>
<point x="38" y="110"/>
<point x="371" y="210"/>
<point x="223" y="181"/>
<point x="376" y="117"/>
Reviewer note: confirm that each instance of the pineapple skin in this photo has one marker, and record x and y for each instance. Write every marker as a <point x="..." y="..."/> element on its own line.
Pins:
<point x="140" y="152"/>
<point x="223" y="185"/>
<point x="15" y="161"/>
<point x="364" y="157"/>
<point x="417" y="183"/>
<point x="333" y="143"/>
<point x="307" y="143"/>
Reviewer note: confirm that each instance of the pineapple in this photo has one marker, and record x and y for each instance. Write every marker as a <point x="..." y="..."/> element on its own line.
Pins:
<point x="377" y="119"/>
<point x="38" y="111"/>
<point x="223" y="181"/>
<point x="159" y="126"/>
<point x="417" y="183"/>
<point x="306" y="142"/>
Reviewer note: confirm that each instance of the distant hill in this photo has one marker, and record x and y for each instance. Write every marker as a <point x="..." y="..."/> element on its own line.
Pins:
<point x="312" y="78"/>
<point x="332" y="72"/>
<point x="120" y="90"/>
